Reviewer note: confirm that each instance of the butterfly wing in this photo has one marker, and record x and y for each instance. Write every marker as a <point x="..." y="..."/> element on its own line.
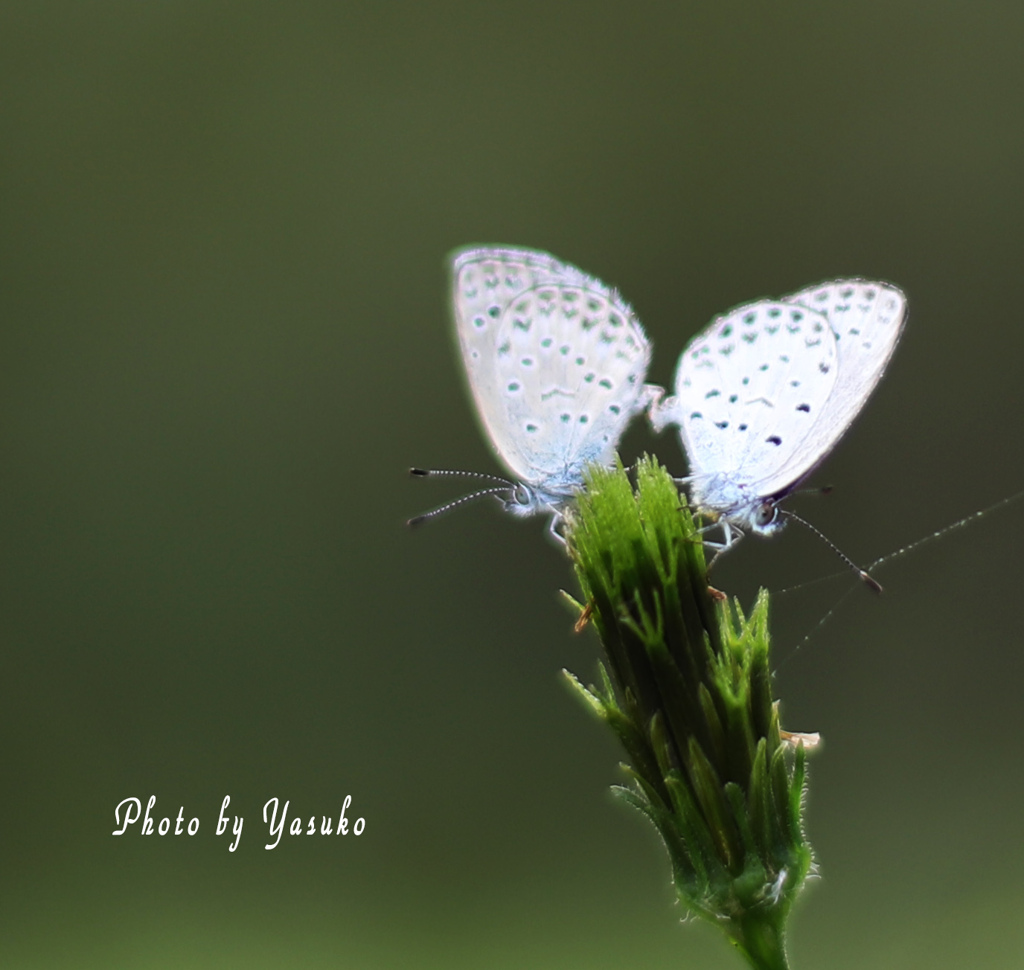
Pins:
<point x="867" y="319"/>
<point x="749" y="391"/>
<point x="555" y="361"/>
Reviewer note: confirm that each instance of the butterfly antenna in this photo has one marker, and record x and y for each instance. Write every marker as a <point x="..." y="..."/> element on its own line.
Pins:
<point x="818" y="490"/>
<point x="868" y="581"/>
<point x="431" y="472"/>
<point x="952" y="527"/>
<point x="418" y="519"/>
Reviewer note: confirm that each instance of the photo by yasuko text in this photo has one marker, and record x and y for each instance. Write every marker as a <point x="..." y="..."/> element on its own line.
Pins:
<point x="129" y="817"/>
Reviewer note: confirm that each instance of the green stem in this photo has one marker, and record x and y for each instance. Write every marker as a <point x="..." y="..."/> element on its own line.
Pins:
<point x="761" y="942"/>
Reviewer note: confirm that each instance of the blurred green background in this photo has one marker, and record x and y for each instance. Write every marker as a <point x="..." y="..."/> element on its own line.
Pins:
<point x="224" y="338"/>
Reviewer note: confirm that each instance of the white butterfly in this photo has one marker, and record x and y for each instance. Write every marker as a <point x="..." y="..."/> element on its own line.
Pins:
<point x="766" y="391"/>
<point x="556" y="363"/>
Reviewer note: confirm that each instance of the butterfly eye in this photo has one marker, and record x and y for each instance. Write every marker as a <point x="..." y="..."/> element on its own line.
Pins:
<point x="521" y="495"/>
<point x="765" y="514"/>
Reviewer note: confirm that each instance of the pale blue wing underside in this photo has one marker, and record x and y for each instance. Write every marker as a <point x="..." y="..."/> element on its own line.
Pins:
<point x="555" y="361"/>
<point x="766" y="391"/>
<point x="867" y="319"/>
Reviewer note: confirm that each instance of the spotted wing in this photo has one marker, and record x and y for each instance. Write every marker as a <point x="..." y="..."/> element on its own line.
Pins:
<point x="867" y="319"/>
<point x="749" y="392"/>
<point x="555" y="361"/>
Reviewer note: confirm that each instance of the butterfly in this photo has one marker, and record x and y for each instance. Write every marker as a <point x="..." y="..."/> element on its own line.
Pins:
<point x="765" y="392"/>
<point x="555" y="361"/>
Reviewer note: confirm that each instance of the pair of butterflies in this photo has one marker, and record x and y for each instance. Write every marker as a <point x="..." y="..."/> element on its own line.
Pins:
<point x="557" y="362"/>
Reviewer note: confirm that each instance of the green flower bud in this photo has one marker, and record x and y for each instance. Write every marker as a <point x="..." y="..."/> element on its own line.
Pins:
<point x="687" y="690"/>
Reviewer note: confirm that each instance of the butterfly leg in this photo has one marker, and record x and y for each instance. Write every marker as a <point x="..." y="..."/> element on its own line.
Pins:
<point x="553" y="524"/>
<point x="730" y="536"/>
